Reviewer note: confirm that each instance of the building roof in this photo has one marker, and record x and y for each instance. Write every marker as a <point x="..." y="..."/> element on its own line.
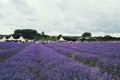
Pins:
<point x="11" y="38"/>
<point x="21" y="38"/>
<point x="3" y="39"/>
<point x="61" y="39"/>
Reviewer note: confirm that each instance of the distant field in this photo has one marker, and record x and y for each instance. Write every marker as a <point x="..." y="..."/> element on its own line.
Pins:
<point x="60" y="61"/>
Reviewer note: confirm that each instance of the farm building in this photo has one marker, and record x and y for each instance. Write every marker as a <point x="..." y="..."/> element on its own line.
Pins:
<point x="11" y="38"/>
<point x="3" y="39"/>
<point x="61" y="39"/>
<point x="21" y="39"/>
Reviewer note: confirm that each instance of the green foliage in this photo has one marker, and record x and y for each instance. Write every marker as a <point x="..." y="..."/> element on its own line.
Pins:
<point x="77" y="58"/>
<point x="59" y="36"/>
<point x="2" y="49"/>
<point x="90" y="62"/>
<point x="33" y="34"/>
<point x="70" y="38"/>
<point x="86" y="35"/>
<point x="43" y="33"/>
<point x="107" y="37"/>
<point x="26" y="33"/>
<point x="70" y="55"/>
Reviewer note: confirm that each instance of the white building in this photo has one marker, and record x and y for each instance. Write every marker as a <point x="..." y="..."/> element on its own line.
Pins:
<point x="11" y="38"/>
<point x="61" y="39"/>
<point x="21" y="39"/>
<point x="3" y="39"/>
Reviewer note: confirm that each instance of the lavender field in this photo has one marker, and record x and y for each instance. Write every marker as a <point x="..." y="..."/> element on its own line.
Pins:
<point x="60" y="61"/>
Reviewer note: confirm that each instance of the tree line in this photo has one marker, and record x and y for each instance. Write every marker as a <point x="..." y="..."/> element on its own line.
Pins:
<point x="33" y="34"/>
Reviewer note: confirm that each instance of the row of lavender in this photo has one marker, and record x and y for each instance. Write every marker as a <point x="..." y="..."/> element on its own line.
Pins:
<point x="7" y="49"/>
<point x="104" y="56"/>
<point x="7" y="45"/>
<point x="19" y="66"/>
<point x="37" y="62"/>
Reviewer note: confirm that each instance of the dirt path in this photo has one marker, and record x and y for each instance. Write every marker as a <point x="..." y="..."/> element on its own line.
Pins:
<point x="37" y="71"/>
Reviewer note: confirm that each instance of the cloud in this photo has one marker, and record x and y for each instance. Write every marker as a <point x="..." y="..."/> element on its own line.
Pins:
<point x="63" y="4"/>
<point x="61" y="16"/>
<point x="22" y="7"/>
<point x="1" y="16"/>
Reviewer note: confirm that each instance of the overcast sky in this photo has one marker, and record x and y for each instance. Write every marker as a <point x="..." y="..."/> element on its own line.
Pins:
<point x="67" y="17"/>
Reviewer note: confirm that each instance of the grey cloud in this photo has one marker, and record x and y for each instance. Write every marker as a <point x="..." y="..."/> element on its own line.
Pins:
<point x="67" y="16"/>
<point x="63" y="4"/>
<point x="1" y="16"/>
<point x="22" y="7"/>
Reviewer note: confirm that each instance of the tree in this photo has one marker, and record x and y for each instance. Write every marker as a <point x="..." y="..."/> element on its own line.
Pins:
<point x="26" y="33"/>
<point x="71" y="38"/>
<point x="59" y="36"/>
<point x="86" y="35"/>
<point x="43" y="33"/>
<point x="108" y="38"/>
